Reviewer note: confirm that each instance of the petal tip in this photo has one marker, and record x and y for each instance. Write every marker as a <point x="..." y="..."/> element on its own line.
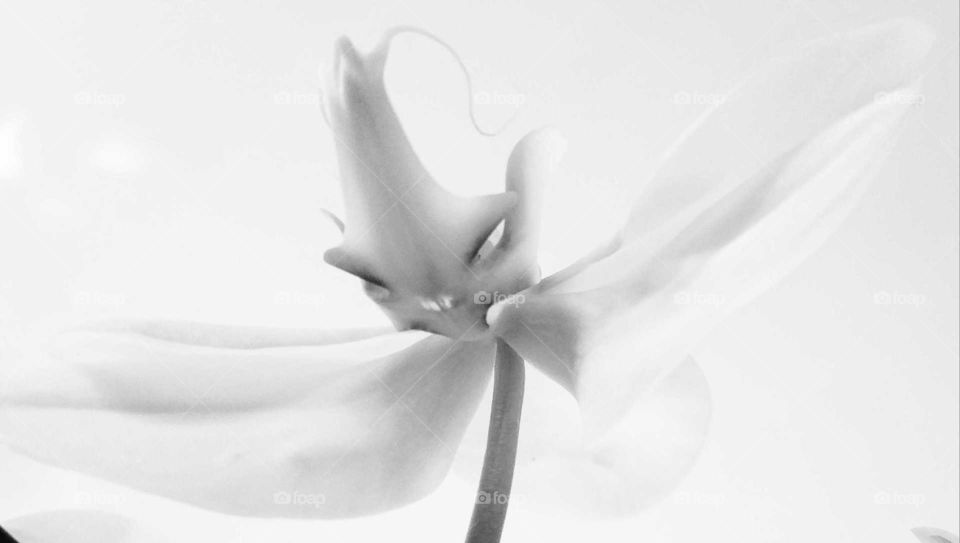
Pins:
<point x="546" y="145"/>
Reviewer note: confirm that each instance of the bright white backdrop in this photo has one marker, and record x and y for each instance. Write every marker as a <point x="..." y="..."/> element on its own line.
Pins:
<point x="169" y="159"/>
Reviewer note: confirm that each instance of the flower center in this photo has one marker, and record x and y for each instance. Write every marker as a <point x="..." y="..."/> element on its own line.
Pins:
<point x="455" y="310"/>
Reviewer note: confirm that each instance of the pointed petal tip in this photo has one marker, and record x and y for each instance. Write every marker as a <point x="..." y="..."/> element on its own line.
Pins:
<point x="334" y="256"/>
<point x="344" y="259"/>
<point x="927" y="534"/>
<point x="345" y="54"/>
<point x="544" y="146"/>
<point x="502" y="317"/>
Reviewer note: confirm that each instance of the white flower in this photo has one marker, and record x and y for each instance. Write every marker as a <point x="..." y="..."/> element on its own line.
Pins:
<point x="244" y="420"/>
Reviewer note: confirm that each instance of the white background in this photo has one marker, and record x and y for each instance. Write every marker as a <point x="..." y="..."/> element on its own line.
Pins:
<point x="150" y="164"/>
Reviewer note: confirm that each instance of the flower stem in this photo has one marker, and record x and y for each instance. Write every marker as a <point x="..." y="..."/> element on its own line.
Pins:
<point x="493" y="494"/>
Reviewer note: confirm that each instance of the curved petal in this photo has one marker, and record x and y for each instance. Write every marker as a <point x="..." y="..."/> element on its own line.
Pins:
<point x="934" y="535"/>
<point x="770" y="113"/>
<point x="638" y="462"/>
<point x="387" y="188"/>
<point x="609" y="328"/>
<point x="250" y="422"/>
<point x="413" y="242"/>
<point x="417" y="246"/>
<point x="79" y="526"/>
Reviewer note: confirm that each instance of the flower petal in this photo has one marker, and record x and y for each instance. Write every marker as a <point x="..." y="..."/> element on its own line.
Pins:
<point x="772" y="112"/>
<point x="250" y="422"/>
<point x="610" y="327"/>
<point x="642" y="459"/>
<point x="386" y="187"/>
<point x="934" y="535"/>
<point x="79" y="526"/>
<point x="404" y="233"/>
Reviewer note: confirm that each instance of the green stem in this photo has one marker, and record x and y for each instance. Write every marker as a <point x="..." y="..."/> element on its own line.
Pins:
<point x="496" y="480"/>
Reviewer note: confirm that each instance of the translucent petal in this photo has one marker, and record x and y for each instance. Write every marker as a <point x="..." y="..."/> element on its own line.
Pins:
<point x="775" y="110"/>
<point x="611" y="327"/>
<point x="645" y="457"/>
<point x="934" y="535"/>
<point x="249" y="422"/>
<point x="401" y="228"/>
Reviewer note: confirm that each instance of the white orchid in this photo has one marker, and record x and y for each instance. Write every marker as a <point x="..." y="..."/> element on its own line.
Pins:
<point x="303" y="423"/>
